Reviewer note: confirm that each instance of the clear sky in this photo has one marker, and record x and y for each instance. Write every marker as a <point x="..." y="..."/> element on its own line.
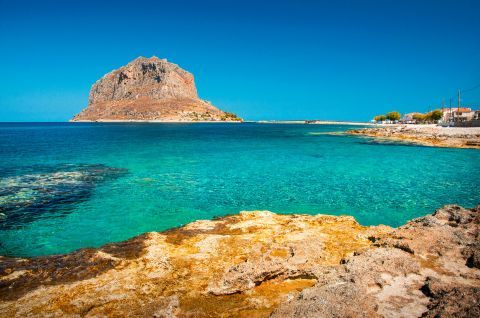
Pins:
<point x="341" y="60"/>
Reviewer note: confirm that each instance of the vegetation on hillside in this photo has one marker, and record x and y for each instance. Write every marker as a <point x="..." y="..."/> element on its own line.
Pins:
<point x="230" y="117"/>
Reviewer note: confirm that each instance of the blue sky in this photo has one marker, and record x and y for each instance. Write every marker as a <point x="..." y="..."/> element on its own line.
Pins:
<point x="342" y="60"/>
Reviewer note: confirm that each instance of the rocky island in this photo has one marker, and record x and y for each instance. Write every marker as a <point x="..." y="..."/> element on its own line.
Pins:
<point x="149" y="89"/>
<point x="260" y="264"/>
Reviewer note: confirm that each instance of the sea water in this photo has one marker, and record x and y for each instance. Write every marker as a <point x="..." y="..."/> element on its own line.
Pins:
<point x="65" y="186"/>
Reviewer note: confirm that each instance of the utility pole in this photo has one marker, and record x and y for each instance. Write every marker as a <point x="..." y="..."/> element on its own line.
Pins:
<point x="451" y="114"/>
<point x="443" y="109"/>
<point x="458" y="111"/>
<point x="459" y="100"/>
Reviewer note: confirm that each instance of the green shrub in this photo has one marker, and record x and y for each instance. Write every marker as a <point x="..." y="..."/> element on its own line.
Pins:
<point x="434" y="115"/>
<point x="394" y="116"/>
<point x="230" y="117"/>
<point x="419" y="117"/>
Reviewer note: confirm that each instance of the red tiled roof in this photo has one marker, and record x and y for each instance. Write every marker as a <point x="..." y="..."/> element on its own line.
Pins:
<point x="462" y="109"/>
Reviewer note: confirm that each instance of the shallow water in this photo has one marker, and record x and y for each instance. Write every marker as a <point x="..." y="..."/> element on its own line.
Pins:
<point x="66" y="186"/>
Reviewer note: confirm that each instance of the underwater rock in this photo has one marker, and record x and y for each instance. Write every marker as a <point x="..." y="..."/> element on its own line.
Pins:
<point x="47" y="191"/>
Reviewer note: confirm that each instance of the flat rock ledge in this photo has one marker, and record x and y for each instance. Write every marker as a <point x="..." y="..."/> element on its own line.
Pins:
<point x="260" y="264"/>
<point x="448" y="137"/>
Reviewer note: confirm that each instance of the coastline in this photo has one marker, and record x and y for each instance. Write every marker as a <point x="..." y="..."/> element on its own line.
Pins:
<point x="261" y="264"/>
<point x="342" y="123"/>
<point x="426" y="135"/>
<point x="315" y="122"/>
<point x="225" y="121"/>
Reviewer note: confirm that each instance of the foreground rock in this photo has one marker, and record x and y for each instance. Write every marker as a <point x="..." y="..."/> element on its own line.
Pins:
<point x="149" y="89"/>
<point x="259" y="264"/>
<point x="427" y="135"/>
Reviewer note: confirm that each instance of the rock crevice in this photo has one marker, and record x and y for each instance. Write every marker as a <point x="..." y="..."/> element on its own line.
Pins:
<point x="260" y="264"/>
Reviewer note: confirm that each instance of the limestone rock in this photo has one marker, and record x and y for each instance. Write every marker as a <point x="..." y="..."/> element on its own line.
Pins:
<point x="425" y="135"/>
<point x="260" y="264"/>
<point x="149" y="89"/>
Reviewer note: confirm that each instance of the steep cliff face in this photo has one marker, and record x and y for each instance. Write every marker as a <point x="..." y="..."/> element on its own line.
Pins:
<point x="260" y="264"/>
<point x="149" y="89"/>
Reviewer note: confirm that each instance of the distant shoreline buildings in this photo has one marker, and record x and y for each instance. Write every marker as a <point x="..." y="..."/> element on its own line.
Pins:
<point x="445" y="116"/>
<point x="463" y="114"/>
<point x="451" y="117"/>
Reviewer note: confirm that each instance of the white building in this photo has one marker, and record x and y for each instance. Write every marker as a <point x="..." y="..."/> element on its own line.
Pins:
<point x="408" y="118"/>
<point x="457" y="114"/>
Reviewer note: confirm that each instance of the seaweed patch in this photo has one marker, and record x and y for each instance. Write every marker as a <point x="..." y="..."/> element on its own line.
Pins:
<point x="30" y="193"/>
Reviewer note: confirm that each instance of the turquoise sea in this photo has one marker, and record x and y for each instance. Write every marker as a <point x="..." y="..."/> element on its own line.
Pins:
<point x="64" y="186"/>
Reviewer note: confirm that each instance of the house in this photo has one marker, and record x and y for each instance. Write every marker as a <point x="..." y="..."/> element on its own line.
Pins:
<point x="459" y="114"/>
<point x="476" y="115"/>
<point x="408" y="118"/>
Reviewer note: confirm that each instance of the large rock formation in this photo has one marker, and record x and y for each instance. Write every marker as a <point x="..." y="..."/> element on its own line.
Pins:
<point x="260" y="264"/>
<point x="149" y="89"/>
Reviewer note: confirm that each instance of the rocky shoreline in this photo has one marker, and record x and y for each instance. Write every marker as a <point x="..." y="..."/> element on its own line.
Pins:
<point x="426" y="135"/>
<point x="260" y="264"/>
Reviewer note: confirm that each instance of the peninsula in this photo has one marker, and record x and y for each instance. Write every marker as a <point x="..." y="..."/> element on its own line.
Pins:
<point x="425" y="135"/>
<point x="149" y="89"/>
<point x="261" y="264"/>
